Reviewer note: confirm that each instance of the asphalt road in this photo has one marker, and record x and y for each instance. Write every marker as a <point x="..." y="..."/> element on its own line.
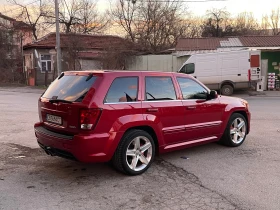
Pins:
<point x="205" y="177"/>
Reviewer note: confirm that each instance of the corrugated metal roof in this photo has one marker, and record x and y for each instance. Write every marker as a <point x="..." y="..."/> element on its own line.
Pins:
<point x="187" y="44"/>
<point x="231" y="42"/>
<point x="260" y="41"/>
<point x="211" y="43"/>
<point x="184" y="53"/>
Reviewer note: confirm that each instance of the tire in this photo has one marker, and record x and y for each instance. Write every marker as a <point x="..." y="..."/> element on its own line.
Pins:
<point x="135" y="153"/>
<point x="236" y="131"/>
<point x="227" y="90"/>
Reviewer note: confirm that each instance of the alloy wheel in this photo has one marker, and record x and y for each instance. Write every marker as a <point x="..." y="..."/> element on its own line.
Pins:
<point x="238" y="130"/>
<point x="139" y="153"/>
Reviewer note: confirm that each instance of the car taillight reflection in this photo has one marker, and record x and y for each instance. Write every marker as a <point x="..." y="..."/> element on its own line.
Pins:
<point x="88" y="118"/>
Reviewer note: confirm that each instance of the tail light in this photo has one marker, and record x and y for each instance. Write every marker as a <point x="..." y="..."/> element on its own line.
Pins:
<point x="249" y="75"/>
<point x="89" y="118"/>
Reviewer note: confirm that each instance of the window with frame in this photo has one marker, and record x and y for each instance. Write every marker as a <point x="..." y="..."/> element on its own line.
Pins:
<point x="46" y="63"/>
<point x="188" y="68"/>
<point x="160" y="88"/>
<point x="191" y="89"/>
<point x="123" y="89"/>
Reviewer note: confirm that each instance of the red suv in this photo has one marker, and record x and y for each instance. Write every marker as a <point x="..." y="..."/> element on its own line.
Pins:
<point x="126" y="117"/>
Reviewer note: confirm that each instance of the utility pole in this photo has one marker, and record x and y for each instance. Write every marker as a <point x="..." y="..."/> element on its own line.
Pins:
<point x="57" y="47"/>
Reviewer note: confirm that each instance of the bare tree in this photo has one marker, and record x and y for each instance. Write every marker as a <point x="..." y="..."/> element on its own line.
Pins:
<point x="219" y="23"/>
<point x="246" y="24"/>
<point x="79" y="16"/>
<point x="193" y="27"/>
<point x="265" y="23"/>
<point x="73" y="47"/>
<point x="116" y="53"/>
<point x="68" y="15"/>
<point x="154" y="25"/>
<point x="215" y="22"/>
<point x="91" y="21"/>
<point x="126" y="15"/>
<point x="33" y="15"/>
<point x="275" y="21"/>
<point x="11" y="60"/>
<point x="271" y="22"/>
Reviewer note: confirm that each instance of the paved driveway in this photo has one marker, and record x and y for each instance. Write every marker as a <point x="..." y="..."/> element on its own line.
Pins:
<point x="205" y="177"/>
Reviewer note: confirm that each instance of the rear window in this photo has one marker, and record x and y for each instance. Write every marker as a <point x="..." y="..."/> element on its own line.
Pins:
<point x="70" y="87"/>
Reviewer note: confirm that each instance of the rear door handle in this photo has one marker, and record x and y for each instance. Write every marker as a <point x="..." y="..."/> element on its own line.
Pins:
<point x="191" y="107"/>
<point x="152" y="110"/>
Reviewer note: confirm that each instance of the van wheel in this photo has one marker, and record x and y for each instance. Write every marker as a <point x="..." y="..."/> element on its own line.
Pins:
<point x="236" y="131"/>
<point x="227" y="90"/>
<point x="135" y="153"/>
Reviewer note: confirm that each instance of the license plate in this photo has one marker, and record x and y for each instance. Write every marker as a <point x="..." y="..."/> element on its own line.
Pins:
<point x="54" y="119"/>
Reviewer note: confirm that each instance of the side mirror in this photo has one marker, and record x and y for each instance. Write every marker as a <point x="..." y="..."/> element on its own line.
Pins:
<point x="213" y="94"/>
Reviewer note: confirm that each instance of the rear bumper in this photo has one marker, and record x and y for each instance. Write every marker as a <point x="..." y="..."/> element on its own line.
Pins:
<point x="83" y="148"/>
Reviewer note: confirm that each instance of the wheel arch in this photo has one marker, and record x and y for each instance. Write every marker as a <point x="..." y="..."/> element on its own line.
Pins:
<point x="150" y="131"/>
<point x="227" y="82"/>
<point x="243" y="113"/>
<point x="230" y="113"/>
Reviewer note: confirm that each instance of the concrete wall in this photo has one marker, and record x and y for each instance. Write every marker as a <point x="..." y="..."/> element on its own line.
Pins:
<point x="90" y="64"/>
<point x="165" y="63"/>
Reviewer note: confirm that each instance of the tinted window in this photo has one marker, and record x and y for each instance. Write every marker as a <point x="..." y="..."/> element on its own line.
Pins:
<point x="160" y="88"/>
<point x="69" y="87"/>
<point x="123" y="89"/>
<point x="191" y="89"/>
<point x="188" y="68"/>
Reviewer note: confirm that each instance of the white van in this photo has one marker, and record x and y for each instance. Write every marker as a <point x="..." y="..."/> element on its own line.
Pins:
<point x="225" y="71"/>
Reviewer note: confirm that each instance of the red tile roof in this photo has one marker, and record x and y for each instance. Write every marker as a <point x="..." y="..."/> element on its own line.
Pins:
<point x="211" y="43"/>
<point x="84" y="41"/>
<point x="22" y="25"/>
<point x="16" y="24"/>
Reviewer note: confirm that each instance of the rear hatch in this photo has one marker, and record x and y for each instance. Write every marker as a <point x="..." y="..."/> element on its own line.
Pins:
<point x="61" y="104"/>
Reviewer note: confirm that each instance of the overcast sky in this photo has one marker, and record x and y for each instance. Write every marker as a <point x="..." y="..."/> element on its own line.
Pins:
<point x="233" y="6"/>
<point x="258" y="7"/>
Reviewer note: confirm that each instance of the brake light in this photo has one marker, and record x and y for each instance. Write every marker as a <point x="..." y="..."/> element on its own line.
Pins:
<point x="89" y="118"/>
<point x="249" y="75"/>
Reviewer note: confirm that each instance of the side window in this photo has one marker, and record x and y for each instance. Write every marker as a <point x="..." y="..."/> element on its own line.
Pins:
<point x="159" y="88"/>
<point x="191" y="89"/>
<point x="123" y="89"/>
<point x="188" y="68"/>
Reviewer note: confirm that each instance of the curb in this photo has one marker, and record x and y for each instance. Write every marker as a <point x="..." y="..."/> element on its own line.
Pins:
<point x="265" y="94"/>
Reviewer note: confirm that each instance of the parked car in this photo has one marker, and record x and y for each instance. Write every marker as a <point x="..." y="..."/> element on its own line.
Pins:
<point x="225" y="71"/>
<point x="127" y="117"/>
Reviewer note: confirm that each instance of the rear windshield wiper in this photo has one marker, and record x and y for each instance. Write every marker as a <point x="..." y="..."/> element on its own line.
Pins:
<point x="89" y="77"/>
<point x="81" y="97"/>
<point x="60" y="100"/>
<point x="60" y="76"/>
